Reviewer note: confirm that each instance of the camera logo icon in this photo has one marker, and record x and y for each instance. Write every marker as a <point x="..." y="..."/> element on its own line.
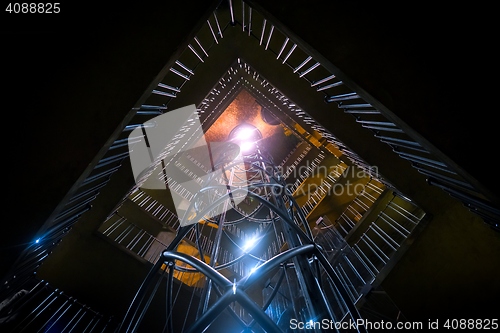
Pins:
<point x="170" y="152"/>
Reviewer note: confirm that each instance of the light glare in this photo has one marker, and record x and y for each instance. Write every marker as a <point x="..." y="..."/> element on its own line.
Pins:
<point x="246" y="146"/>
<point x="244" y="133"/>
<point x="249" y="244"/>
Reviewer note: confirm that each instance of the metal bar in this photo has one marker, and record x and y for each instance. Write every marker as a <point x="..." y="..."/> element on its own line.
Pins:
<point x="231" y="10"/>
<point x="201" y="47"/>
<point x="95" y="320"/>
<point x="153" y="107"/>
<point x="164" y="93"/>
<point x="269" y="37"/>
<point x="466" y="197"/>
<point x="173" y="70"/>
<point x="328" y="86"/>
<point x="379" y="123"/>
<point x="447" y="179"/>
<point x="365" y="238"/>
<point x="263" y="31"/>
<point x="363" y="262"/>
<point x="135" y="239"/>
<point x="114" y="226"/>
<point x="342" y="97"/>
<point x="216" y="309"/>
<point x="212" y="30"/>
<point x="383" y="218"/>
<point x="386" y="129"/>
<point x="353" y="268"/>
<point x="73" y="319"/>
<point x="124" y="233"/>
<point x="249" y="20"/>
<point x="111" y="159"/>
<point x="417" y="158"/>
<point x="403" y="212"/>
<point x="352" y="106"/>
<point x="195" y="53"/>
<point x="93" y="190"/>
<point x="218" y="25"/>
<point x="184" y="67"/>
<point x="166" y="86"/>
<point x="47" y="329"/>
<point x="328" y="78"/>
<point x="418" y="165"/>
<point x="388" y="240"/>
<point x="148" y="113"/>
<point x="52" y="297"/>
<point x="395" y="147"/>
<point x="100" y="175"/>
<point x="282" y="47"/>
<point x="289" y="53"/>
<point x="397" y="140"/>
<point x="302" y="64"/>
<point x="75" y="208"/>
<point x="243" y="15"/>
<point x="345" y="281"/>
<point x="362" y="112"/>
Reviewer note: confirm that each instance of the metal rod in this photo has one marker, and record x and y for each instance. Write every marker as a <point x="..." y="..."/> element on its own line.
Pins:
<point x="328" y="78"/>
<point x="365" y="240"/>
<point x="283" y="47"/>
<point x="100" y="175"/>
<point x="386" y="129"/>
<point x="353" y="106"/>
<point x="403" y="212"/>
<point x="289" y="53"/>
<point x="365" y="260"/>
<point x="342" y="97"/>
<point x="263" y="31"/>
<point x="195" y="53"/>
<point x="328" y="86"/>
<point x="184" y="67"/>
<point x="269" y="37"/>
<point x="383" y="217"/>
<point x="249" y="21"/>
<point x="166" y="86"/>
<point x="218" y="25"/>
<point x="76" y="208"/>
<point x="465" y="196"/>
<point x="231" y="10"/>
<point x="243" y="15"/>
<point x="385" y="237"/>
<point x="148" y="113"/>
<point x="93" y="190"/>
<point x="417" y="158"/>
<point x="212" y="30"/>
<point x="379" y="123"/>
<point x="418" y="165"/>
<point x="362" y="112"/>
<point x="302" y="64"/>
<point x="164" y="93"/>
<point x="446" y="179"/>
<point x="201" y="47"/>
<point x="111" y="159"/>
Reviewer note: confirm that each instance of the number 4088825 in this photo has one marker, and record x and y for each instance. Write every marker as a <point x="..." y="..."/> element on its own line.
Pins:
<point x="33" y="8"/>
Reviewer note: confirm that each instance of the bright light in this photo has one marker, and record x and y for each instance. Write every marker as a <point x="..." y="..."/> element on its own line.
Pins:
<point x="244" y="133"/>
<point x="246" y="146"/>
<point x="249" y="244"/>
<point x="37" y="241"/>
<point x="252" y="270"/>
